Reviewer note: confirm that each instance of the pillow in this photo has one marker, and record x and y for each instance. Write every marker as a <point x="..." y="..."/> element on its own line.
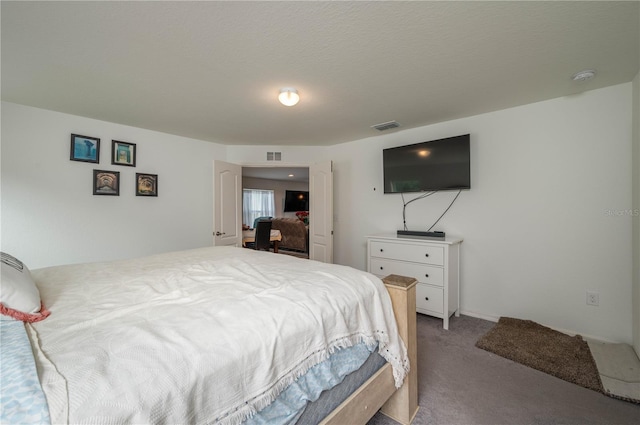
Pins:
<point x="19" y="295"/>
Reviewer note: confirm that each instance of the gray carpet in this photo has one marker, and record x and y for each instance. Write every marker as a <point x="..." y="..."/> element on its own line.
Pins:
<point x="460" y="384"/>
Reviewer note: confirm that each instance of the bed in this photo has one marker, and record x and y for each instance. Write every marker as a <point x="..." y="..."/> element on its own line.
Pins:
<point x="218" y="335"/>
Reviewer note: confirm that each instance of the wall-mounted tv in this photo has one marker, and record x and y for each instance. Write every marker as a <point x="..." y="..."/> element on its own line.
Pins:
<point x="442" y="164"/>
<point x="296" y="200"/>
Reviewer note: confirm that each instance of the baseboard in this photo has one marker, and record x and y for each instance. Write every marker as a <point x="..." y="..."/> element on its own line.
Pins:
<point x="564" y="331"/>
<point x="479" y="315"/>
<point x="584" y="336"/>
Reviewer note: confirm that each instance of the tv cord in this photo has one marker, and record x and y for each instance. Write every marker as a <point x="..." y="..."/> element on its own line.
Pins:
<point x="445" y="211"/>
<point x="424" y="195"/>
<point x="404" y="206"/>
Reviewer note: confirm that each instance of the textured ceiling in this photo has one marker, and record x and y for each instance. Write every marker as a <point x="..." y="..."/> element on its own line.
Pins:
<point x="212" y="70"/>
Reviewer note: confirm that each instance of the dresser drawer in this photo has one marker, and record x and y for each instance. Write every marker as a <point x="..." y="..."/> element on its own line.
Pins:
<point x="429" y="298"/>
<point x="408" y="252"/>
<point x="432" y="275"/>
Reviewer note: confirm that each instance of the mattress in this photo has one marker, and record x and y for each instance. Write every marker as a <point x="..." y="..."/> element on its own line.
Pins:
<point x="306" y="401"/>
<point x="321" y="389"/>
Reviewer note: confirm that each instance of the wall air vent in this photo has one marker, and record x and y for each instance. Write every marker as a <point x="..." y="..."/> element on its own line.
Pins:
<point x="274" y="156"/>
<point x="386" y="126"/>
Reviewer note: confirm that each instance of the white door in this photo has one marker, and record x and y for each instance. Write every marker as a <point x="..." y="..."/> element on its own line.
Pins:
<point x="321" y="212"/>
<point x="227" y="204"/>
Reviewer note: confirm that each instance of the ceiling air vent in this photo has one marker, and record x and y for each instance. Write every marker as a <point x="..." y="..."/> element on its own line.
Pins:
<point x="386" y="126"/>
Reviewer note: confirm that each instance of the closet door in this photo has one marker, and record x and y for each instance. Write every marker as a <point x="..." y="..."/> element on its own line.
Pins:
<point x="321" y="212"/>
<point x="227" y="204"/>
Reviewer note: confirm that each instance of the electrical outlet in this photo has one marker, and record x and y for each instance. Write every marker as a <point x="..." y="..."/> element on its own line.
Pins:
<point x="593" y="298"/>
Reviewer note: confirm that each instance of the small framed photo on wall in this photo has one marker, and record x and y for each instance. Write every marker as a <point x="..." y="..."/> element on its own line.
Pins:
<point x="85" y="148"/>
<point x="106" y="182"/>
<point x="146" y="184"/>
<point x="123" y="153"/>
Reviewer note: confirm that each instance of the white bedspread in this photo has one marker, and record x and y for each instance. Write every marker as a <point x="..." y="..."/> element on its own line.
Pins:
<point x="201" y="336"/>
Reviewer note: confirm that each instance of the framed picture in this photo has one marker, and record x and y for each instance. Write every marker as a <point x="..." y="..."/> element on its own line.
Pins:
<point x="106" y="182"/>
<point x="146" y="184"/>
<point x="85" y="148"/>
<point x="123" y="153"/>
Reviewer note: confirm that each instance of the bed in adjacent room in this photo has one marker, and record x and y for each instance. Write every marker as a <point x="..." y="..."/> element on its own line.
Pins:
<point x="215" y="335"/>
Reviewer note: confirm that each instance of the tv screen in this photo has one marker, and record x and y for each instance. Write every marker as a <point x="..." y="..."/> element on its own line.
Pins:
<point x="442" y="164"/>
<point x="296" y="200"/>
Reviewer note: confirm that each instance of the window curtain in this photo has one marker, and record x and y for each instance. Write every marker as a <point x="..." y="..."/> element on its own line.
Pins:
<point x="257" y="203"/>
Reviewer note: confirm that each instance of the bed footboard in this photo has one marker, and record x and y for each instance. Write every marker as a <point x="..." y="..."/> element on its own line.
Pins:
<point x="379" y="391"/>
<point x="403" y="404"/>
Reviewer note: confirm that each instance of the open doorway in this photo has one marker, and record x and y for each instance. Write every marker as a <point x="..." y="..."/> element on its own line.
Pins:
<point x="284" y="185"/>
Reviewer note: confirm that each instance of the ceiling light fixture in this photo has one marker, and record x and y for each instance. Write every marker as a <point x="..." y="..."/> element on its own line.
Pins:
<point x="288" y="96"/>
<point x="585" y="75"/>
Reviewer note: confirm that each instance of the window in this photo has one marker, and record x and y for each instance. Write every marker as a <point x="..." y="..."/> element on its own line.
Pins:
<point x="257" y="203"/>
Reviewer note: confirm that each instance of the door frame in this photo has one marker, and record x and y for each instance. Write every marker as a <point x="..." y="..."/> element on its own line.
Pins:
<point x="286" y="165"/>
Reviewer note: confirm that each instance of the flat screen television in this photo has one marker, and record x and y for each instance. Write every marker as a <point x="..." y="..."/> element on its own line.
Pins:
<point x="442" y="164"/>
<point x="296" y="200"/>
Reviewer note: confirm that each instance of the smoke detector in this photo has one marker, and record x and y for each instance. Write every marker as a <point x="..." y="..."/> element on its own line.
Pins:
<point x="585" y="75"/>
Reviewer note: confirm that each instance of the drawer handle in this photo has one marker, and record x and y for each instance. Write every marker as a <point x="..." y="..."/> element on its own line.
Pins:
<point x="381" y="250"/>
<point x="426" y="298"/>
<point x="381" y="268"/>
<point x="426" y="275"/>
<point x="426" y="255"/>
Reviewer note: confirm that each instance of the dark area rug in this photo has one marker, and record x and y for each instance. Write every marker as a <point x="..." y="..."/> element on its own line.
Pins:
<point x="544" y="349"/>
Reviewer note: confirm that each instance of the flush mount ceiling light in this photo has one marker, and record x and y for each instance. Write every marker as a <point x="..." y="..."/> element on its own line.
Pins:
<point x="288" y="96"/>
<point x="585" y="75"/>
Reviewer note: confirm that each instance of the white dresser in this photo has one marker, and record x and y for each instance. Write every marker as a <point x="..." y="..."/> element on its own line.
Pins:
<point x="434" y="263"/>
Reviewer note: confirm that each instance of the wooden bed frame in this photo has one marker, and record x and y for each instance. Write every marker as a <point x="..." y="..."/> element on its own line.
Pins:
<point x="379" y="392"/>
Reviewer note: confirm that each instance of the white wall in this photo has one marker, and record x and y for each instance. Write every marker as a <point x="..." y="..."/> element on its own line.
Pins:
<point x="543" y="222"/>
<point x="50" y="216"/>
<point x="290" y="155"/>
<point x="636" y="215"/>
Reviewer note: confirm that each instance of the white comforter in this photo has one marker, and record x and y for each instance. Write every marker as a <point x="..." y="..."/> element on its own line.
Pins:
<point x="201" y="336"/>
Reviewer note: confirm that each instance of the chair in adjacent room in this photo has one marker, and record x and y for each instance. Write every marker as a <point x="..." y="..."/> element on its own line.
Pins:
<point x="262" y="236"/>
<point x="255" y="222"/>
